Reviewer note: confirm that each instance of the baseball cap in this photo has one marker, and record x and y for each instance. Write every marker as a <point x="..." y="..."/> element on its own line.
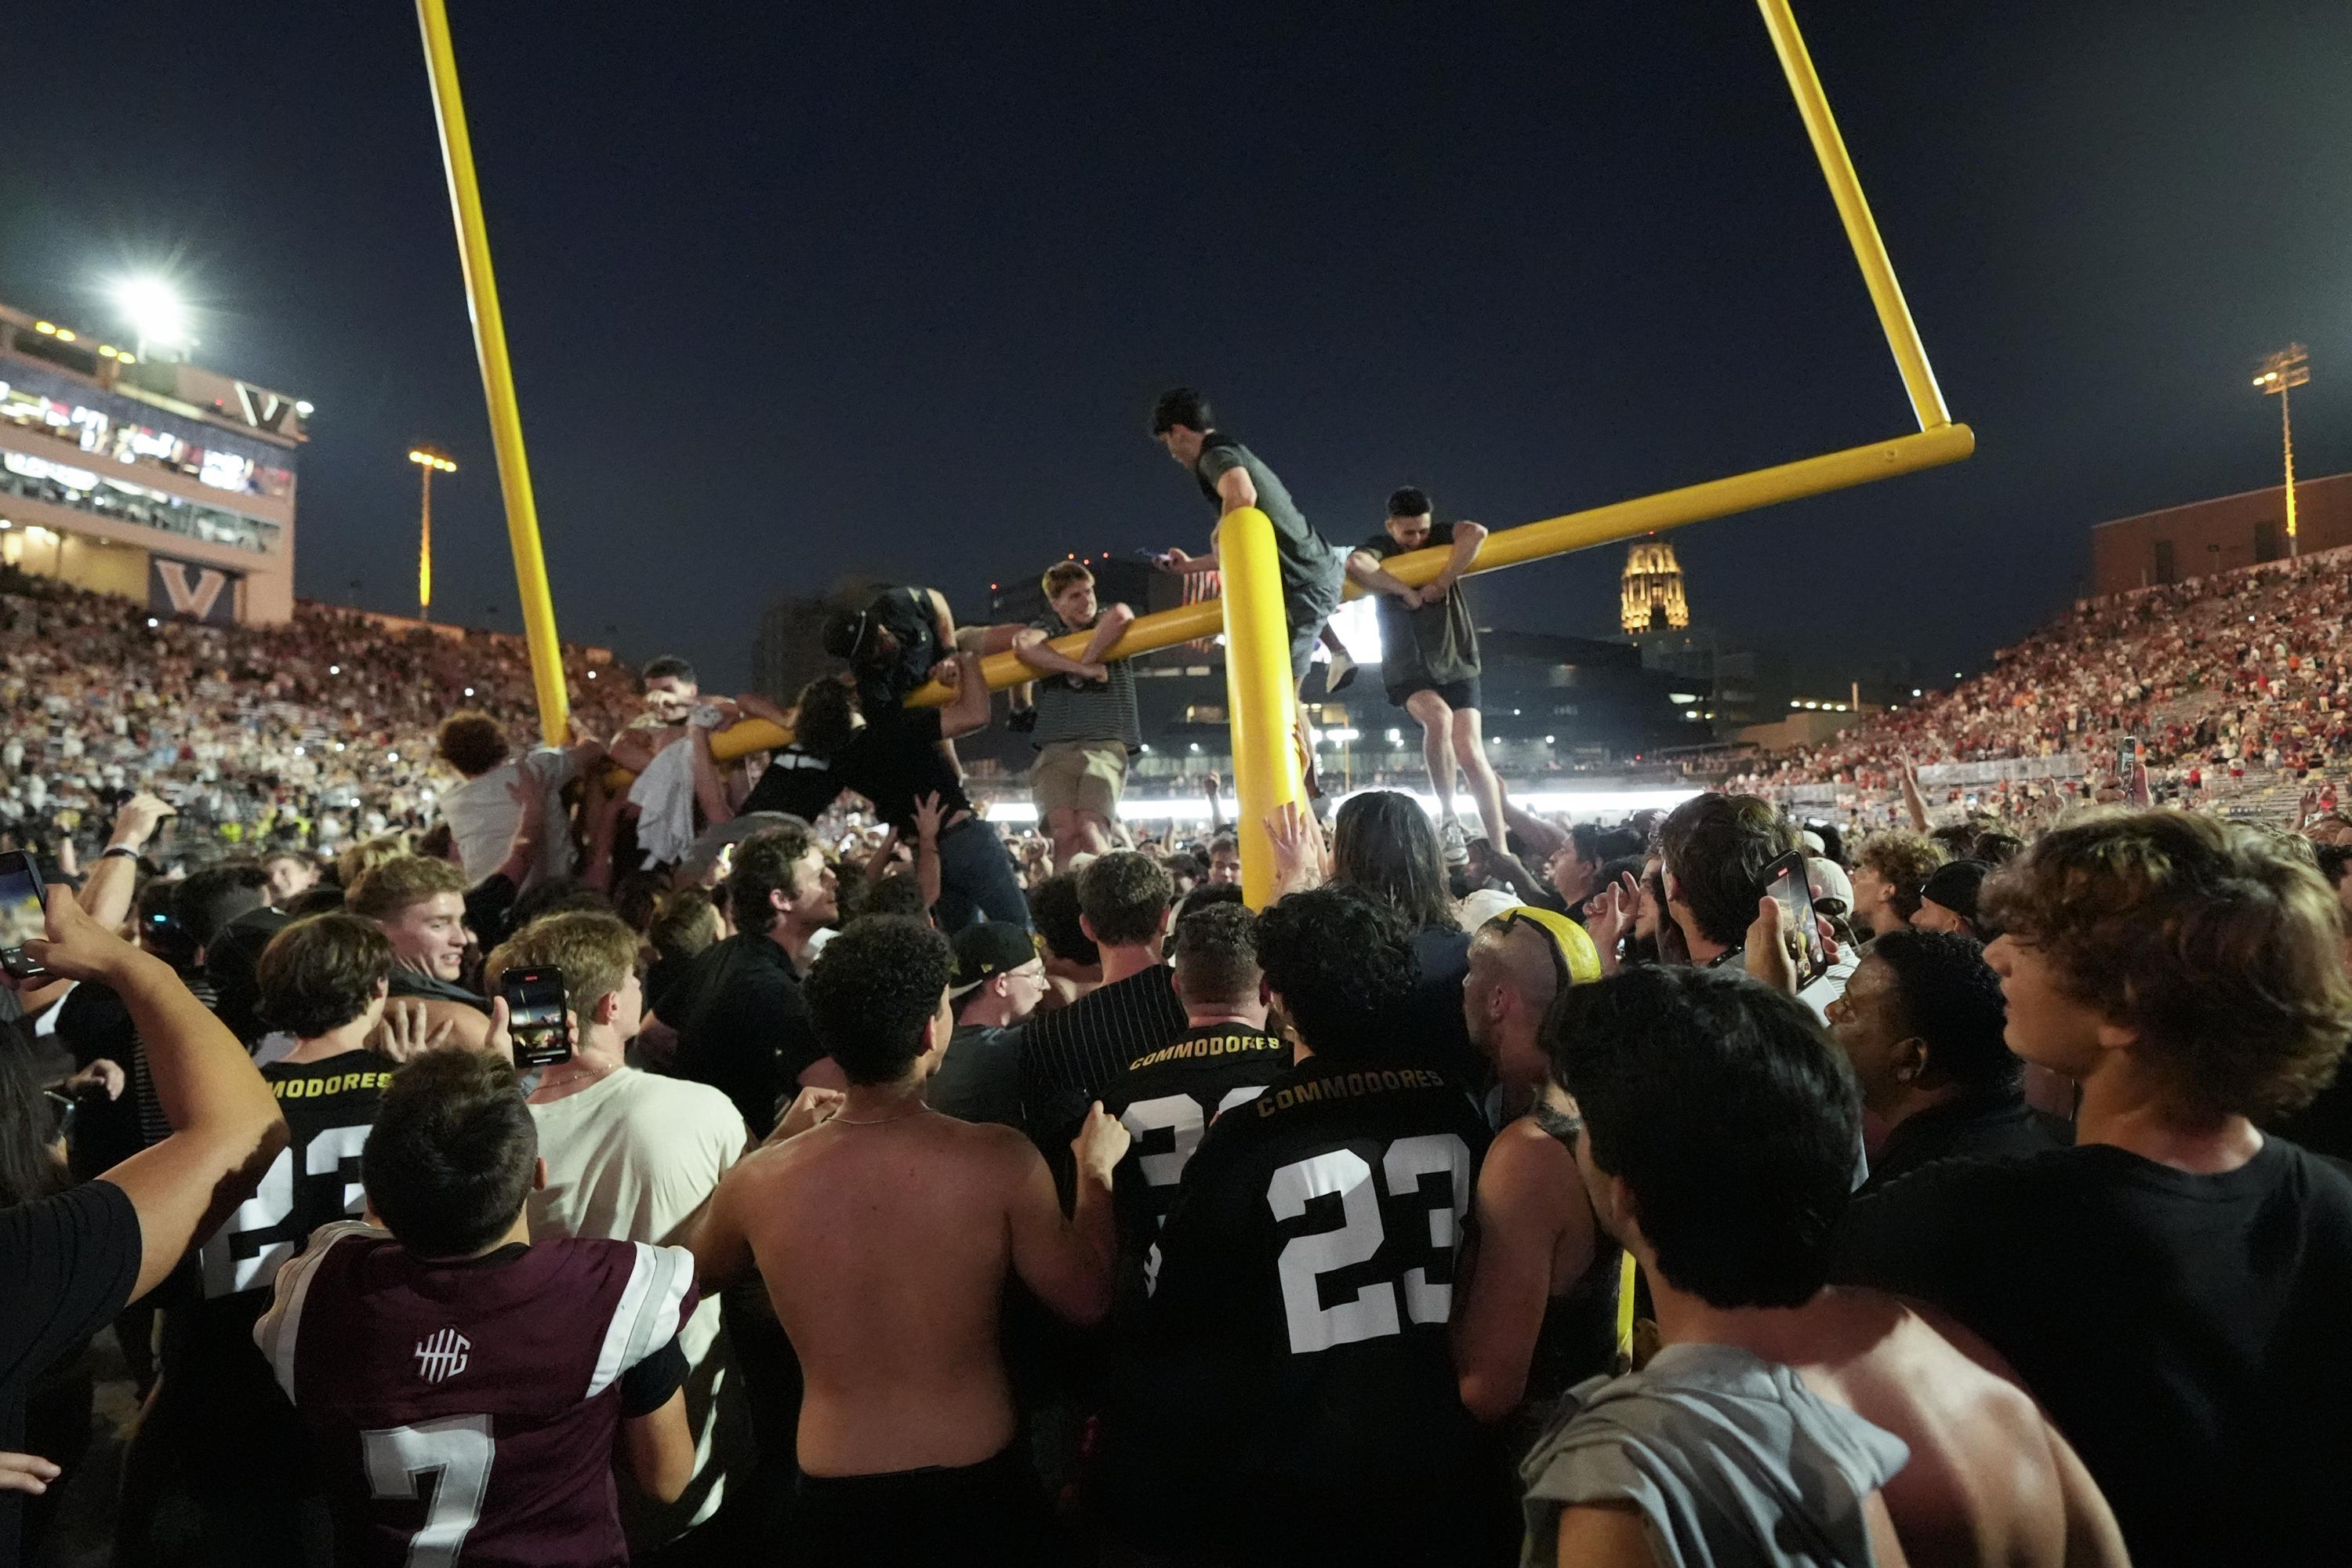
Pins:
<point x="1829" y="880"/>
<point x="1955" y="886"/>
<point x="1483" y="904"/>
<point x="846" y="631"/>
<point x="986" y="949"/>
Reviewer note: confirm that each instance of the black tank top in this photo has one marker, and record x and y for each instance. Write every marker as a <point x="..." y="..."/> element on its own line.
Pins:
<point x="1578" y="1336"/>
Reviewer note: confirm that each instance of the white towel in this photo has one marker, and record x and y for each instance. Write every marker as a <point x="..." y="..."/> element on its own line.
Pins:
<point x="663" y="796"/>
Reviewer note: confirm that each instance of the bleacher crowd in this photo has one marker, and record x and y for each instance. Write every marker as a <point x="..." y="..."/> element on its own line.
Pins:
<point x="878" y="1189"/>
<point x="2222" y="676"/>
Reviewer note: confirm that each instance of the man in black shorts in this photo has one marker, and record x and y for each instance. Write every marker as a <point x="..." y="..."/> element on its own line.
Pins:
<point x="1429" y="660"/>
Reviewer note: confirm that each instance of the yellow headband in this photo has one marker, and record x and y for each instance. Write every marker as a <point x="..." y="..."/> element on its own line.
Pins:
<point x="1576" y="950"/>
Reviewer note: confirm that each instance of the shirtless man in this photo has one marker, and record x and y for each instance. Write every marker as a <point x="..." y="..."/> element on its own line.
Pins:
<point x="1539" y="1311"/>
<point x="671" y="693"/>
<point x="885" y="1234"/>
<point x="1716" y="1144"/>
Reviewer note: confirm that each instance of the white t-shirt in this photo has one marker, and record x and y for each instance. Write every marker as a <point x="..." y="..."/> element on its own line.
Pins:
<point x="632" y="1157"/>
<point x="482" y="818"/>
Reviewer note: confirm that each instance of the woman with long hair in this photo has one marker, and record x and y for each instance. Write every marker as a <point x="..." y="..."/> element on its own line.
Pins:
<point x="1383" y="844"/>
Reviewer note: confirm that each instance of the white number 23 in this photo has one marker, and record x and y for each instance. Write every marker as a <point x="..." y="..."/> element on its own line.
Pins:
<point x="1374" y="1311"/>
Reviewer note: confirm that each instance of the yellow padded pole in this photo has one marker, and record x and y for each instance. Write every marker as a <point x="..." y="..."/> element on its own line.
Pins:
<point x="1853" y="211"/>
<point x="1261" y="704"/>
<point x="497" y="377"/>
<point x="1503" y="547"/>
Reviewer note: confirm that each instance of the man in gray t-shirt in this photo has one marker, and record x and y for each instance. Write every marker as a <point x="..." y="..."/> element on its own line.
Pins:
<point x="1232" y="477"/>
<point x="1715" y="1138"/>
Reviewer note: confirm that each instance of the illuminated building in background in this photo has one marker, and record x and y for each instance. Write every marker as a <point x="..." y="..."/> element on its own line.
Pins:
<point x="1650" y="591"/>
<point x="163" y="482"/>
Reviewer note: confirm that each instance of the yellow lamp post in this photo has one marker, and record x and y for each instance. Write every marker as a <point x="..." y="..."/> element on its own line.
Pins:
<point x="432" y="462"/>
<point x="2288" y="368"/>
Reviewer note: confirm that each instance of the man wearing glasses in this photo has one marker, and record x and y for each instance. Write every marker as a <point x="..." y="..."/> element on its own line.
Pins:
<point x="998" y="981"/>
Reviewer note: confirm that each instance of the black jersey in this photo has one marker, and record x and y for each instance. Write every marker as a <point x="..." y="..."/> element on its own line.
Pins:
<point x="1293" y="1363"/>
<point x="1168" y="1097"/>
<point x="212" y="1375"/>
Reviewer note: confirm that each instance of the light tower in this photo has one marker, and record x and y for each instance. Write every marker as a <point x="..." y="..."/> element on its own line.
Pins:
<point x="157" y="315"/>
<point x="432" y="462"/>
<point x="1651" y="585"/>
<point x="2290" y="367"/>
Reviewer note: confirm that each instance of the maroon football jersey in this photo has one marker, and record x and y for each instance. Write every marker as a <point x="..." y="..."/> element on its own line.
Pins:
<point x="466" y="1412"/>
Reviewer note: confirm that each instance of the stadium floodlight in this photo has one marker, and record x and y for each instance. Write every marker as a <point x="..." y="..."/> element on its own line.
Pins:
<point x="2280" y="372"/>
<point x="432" y="462"/>
<point x="157" y="316"/>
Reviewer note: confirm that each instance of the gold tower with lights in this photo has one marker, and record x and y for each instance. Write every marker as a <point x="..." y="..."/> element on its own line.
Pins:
<point x="1650" y="591"/>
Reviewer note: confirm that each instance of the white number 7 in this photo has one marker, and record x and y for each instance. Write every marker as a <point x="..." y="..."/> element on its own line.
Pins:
<point x="460" y="1448"/>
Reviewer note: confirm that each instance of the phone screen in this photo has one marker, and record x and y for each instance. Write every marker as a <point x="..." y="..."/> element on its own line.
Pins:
<point x="2127" y="759"/>
<point x="23" y="916"/>
<point x="535" y="1007"/>
<point x="1787" y="884"/>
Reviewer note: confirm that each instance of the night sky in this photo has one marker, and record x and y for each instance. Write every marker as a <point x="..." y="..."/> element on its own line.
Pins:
<point x="794" y="291"/>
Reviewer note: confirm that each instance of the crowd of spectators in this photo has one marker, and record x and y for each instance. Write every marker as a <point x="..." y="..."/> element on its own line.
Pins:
<point x="312" y="734"/>
<point x="880" y="1191"/>
<point x="2226" y="675"/>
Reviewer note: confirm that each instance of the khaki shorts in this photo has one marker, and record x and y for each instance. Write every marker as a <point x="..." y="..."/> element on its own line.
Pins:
<point x="1084" y="775"/>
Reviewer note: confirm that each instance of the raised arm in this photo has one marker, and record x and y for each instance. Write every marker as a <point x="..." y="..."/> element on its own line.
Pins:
<point x="1067" y="1262"/>
<point x="1182" y="565"/>
<point x="931" y="818"/>
<point x="225" y="1128"/>
<point x="530" y="828"/>
<point x="753" y="705"/>
<point x="1542" y="838"/>
<point x="967" y="712"/>
<point x="1915" y="804"/>
<point x="106" y="892"/>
